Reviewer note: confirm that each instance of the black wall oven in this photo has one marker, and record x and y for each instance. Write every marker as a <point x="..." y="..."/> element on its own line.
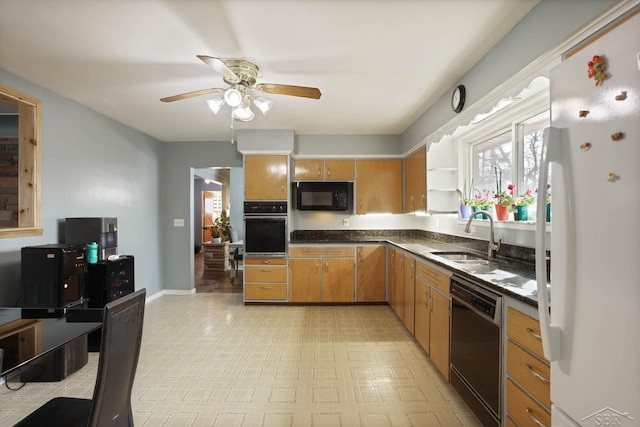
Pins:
<point x="265" y="229"/>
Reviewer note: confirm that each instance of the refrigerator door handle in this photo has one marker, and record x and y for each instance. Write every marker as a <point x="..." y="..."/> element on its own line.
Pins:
<point x="551" y="336"/>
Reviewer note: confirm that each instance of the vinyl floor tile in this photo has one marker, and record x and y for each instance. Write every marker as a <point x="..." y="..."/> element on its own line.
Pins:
<point x="209" y="360"/>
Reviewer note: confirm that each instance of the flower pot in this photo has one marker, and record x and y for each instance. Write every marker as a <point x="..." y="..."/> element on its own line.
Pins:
<point x="548" y="212"/>
<point x="465" y="211"/>
<point x="521" y="213"/>
<point x="502" y="212"/>
<point x="216" y="240"/>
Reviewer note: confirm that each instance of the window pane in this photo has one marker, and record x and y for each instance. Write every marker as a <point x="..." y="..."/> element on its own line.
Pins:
<point x="491" y="160"/>
<point x="532" y="130"/>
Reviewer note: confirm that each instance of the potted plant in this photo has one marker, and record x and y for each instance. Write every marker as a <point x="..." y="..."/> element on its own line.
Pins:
<point x="465" y="204"/>
<point x="504" y="200"/>
<point x="220" y="228"/>
<point x="521" y="205"/>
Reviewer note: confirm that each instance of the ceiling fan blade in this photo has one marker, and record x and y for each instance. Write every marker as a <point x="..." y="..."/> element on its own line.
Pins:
<point x="191" y="94"/>
<point x="305" y="92"/>
<point x="218" y="65"/>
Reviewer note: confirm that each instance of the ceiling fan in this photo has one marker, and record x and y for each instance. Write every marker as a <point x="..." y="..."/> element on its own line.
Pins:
<point x="240" y="75"/>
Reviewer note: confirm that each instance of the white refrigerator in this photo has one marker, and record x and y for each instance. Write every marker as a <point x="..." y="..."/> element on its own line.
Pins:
<point x="592" y="334"/>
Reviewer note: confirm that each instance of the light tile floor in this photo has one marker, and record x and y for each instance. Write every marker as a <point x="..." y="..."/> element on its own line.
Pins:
<point x="209" y="360"/>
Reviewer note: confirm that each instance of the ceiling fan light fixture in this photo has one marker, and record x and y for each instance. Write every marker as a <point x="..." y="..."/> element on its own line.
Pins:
<point x="243" y="113"/>
<point x="263" y="104"/>
<point x="233" y="97"/>
<point x="215" y="104"/>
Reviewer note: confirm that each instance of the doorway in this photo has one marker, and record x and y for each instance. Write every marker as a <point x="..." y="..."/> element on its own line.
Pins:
<point x="215" y="190"/>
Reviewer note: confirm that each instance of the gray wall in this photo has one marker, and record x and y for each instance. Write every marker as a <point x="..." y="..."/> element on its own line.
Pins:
<point x="179" y="160"/>
<point x="545" y="27"/>
<point x="91" y="166"/>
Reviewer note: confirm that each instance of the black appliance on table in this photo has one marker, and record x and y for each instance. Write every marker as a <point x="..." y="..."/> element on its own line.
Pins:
<point x="54" y="276"/>
<point x="107" y="281"/>
<point x="102" y="230"/>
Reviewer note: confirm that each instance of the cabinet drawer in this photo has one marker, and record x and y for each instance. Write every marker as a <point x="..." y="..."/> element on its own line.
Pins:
<point x="525" y="331"/>
<point x="265" y="273"/>
<point x="255" y="291"/>
<point x="265" y="261"/>
<point x="524" y="409"/>
<point x="322" y="251"/>
<point x="434" y="277"/>
<point x="527" y="369"/>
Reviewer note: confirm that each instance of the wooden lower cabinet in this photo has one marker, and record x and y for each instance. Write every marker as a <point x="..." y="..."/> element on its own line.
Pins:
<point x="422" y="328"/>
<point x="321" y="274"/>
<point x="305" y="276"/>
<point x="398" y="272"/>
<point x="528" y="372"/>
<point x="392" y="298"/>
<point x="408" y="288"/>
<point x="371" y="269"/>
<point x="440" y="332"/>
<point x="265" y="279"/>
<point x="523" y="409"/>
<point x="338" y="280"/>
<point x="432" y="307"/>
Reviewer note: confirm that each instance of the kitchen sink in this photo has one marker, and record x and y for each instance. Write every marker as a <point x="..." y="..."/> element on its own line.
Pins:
<point x="461" y="257"/>
<point x="468" y="261"/>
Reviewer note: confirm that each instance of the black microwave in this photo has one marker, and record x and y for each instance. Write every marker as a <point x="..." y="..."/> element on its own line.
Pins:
<point x="322" y="196"/>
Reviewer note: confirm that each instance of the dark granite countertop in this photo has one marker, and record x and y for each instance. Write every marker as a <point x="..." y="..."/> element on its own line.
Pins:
<point x="511" y="273"/>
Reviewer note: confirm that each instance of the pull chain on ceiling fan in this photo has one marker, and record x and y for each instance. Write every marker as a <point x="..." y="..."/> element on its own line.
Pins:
<point x="241" y="75"/>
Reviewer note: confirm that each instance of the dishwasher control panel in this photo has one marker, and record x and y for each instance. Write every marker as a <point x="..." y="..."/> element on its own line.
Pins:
<point x="476" y="298"/>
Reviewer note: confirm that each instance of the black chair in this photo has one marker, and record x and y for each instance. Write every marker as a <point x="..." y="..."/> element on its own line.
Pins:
<point x="119" y="352"/>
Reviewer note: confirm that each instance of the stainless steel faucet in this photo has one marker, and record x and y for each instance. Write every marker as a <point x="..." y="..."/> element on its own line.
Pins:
<point x="493" y="246"/>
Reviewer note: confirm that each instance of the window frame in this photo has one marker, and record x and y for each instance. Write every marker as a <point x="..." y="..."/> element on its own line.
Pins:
<point x="509" y="120"/>
<point x="29" y="163"/>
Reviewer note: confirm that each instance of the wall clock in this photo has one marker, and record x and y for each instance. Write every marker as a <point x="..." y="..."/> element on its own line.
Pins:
<point x="457" y="98"/>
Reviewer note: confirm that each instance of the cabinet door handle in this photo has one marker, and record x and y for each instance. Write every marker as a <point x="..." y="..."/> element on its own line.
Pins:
<point x="265" y="270"/>
<point x="266" y="261"/>
<point x="317" y="266"/>
<point x="423" y="200"/>
<point x="537" y="375"/>
<point x="425" y="300"/>
<point x="266" y="288"/>
<point x="326" y="266"/>
<point x="411" y="202"/>
<point x="319" y="172"/>
<point x="328" y="171"/>
<point x="533" y="334"/>
<point x="535" y="420"/>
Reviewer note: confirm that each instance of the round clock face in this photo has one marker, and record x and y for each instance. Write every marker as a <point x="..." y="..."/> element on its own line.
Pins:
<point x="457" y="98"/>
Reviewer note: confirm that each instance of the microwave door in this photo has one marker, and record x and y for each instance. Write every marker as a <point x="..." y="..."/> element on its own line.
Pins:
<point x="316" y="199"/>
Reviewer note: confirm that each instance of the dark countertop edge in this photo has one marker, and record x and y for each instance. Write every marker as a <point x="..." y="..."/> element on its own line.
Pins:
<point x="396" y="241"/>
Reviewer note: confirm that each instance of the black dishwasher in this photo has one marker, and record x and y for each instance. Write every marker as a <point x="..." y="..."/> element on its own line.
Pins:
<point x="476" y="348"/>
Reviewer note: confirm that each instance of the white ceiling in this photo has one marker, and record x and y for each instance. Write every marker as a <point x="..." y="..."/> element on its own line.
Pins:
<point x="379" y="64"/>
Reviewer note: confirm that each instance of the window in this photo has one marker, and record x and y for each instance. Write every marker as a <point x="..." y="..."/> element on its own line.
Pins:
<point x="20" y="176"/>
<point x="505" y="148"/>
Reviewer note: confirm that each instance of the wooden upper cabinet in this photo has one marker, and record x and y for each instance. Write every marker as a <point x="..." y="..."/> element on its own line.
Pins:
<point x="308" y="170"/>
<point x="266" y="177"/>
<point x="339" y="170"/>
<point x="327" y="170"/>
<point x="379" y="186"/>
<point x="415" y="182"/>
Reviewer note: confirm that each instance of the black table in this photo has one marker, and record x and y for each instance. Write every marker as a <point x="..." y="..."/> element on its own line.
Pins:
<point x="32" y="333"/>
